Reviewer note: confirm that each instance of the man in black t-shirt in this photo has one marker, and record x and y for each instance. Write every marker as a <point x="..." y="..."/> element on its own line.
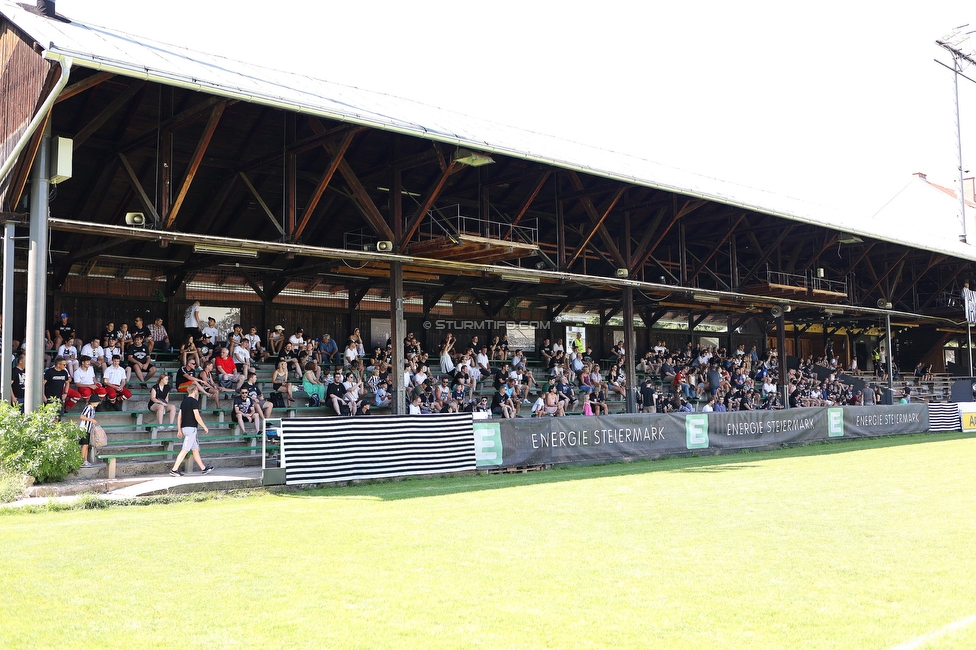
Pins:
<point x="139" y="327"/>
<point x="139" y="361"/>
<point x="189" y="420"/>
<point x="18" y="383"/>
<point x="57" y="384"/>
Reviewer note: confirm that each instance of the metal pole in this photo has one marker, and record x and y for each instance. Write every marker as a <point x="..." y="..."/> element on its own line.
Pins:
<point x="397" y="327"/>
<point x="630" y="340"/>
<point x="37" y="274"/>
<point x="6" y="341"/>
<point x="962" y="196"/>
<point x="888" y="351"/>
<point x="969" y="344"/>
<point x="784" y="385"/>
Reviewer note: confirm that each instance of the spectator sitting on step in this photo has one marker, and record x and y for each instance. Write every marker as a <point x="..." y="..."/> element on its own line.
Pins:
<point x="85" y="383"/>
<point x="328" y="350"/>
<point x="57" y="385"/>
<point x="140" y="362"/>
<point x="242" y="356"/>
<point x="189" y="351"/>
<point x="97" y="354"/>
<point x="502" y="405"/>
<point x="317" y="391"/>
<point x="334" y="394"/>
<point x="235" y="337"/>
<point x="159" y="337"/>
<point x="280" y="383"/>
<point x="115" y="380"/>
<point x="159" y="401"/>
<point x="358" y="339"/>
<point x="210" y="332"/>
<point x="381" y="397"/>
<point x="290" y="356"/>
<point x="245" y="411"/>
<point x="254" y="342"/>
<point x="69" y="353"/>
<point x="262" y="406"/>
<point x="227" y="375"/>
<point x="276" y="340"/>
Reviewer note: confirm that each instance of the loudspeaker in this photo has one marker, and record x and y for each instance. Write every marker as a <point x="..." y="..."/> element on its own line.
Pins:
<point x="384" y="246"/>
<point x="883" y="304"/>
<point x="776" y="311"/>
<point x="135" y="219"/>
<point x="622" y="273"/>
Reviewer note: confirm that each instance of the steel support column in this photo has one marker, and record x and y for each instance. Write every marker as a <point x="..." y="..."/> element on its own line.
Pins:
<point x="397" y="332"/>
<point x="37" y="274"/>
<point x="784" y="386"/>
<point x="888" y="351"/>
<point x="630" y="341"/>
<point x="6" y="342"/>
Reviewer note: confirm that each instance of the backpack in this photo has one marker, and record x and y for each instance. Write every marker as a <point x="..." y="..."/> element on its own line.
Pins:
<point x="97" y="437"/>
<point x="313" y="400"/>
<point x="277" y="400"/>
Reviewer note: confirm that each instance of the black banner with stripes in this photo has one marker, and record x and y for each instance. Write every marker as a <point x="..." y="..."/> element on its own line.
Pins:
<point x="322" y="450"/>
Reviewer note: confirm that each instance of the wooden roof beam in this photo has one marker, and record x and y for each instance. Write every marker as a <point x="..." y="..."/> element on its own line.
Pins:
<point x="373" y="215"/>
<point x="330" y="171"/>
<point x="195" y="161"/>
<point x="81" y="86"/>
<point x="106" y="113"/>
<point x="591" y="212"/>
<point x="596" y="226"/>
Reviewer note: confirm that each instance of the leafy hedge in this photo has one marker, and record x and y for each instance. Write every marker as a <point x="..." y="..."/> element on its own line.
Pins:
<point x="38" y="444"/>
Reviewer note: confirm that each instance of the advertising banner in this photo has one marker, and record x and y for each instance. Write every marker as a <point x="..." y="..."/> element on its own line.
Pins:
<point x="865" y="421"/>
<point x="578" y="439"/>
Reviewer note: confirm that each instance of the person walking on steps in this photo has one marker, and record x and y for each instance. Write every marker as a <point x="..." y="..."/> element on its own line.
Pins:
<point x="189" y="422"/>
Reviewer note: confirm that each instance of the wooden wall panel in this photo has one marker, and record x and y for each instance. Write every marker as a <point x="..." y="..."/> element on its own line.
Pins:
<point x="23" y="75"/>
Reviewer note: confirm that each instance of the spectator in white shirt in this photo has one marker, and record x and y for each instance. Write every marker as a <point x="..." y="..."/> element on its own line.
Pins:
<point x="97" y="354"/>
<point x="69" y="352"/>
<point x="254" y="341"/>
<point x="210" y="332"/>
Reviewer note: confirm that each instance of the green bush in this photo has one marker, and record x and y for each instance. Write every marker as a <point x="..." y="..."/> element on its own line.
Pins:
<point x="12" y="486"/>
<point x="37" y="444"/>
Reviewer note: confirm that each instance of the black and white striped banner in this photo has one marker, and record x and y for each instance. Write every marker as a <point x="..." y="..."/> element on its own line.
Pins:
<point x="321" y="450"/>
<point x="944" y="417"/>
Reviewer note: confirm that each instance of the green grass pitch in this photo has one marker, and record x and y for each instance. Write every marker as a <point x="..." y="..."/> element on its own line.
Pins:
<point x="860" y="544"/>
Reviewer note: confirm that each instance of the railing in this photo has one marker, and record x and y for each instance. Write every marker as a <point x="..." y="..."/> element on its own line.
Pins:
<point x="806" y="280"/>
<point x="452" y="222"/>
<point x="359" y="240"/>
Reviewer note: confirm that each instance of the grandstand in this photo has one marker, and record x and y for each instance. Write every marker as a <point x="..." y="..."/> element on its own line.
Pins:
<point x="278" y="199"/>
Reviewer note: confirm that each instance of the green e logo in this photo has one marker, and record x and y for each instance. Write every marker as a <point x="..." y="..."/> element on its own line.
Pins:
<point x="487" y="443"/>
<point x="696" y="431"/>
<point x="835" y="423"/>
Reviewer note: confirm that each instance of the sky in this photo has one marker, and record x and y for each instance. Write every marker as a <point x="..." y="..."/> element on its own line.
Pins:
<point x="833" y="103"/>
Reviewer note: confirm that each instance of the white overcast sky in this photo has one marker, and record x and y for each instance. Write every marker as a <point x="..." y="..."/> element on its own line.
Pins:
<point x="834" y="103"/>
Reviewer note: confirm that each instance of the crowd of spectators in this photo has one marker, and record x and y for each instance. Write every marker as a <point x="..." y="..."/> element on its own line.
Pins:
<point x="492" y="377"/>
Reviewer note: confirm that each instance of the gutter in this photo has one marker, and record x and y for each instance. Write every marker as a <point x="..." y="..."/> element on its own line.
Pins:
<point x="41" y="115"/>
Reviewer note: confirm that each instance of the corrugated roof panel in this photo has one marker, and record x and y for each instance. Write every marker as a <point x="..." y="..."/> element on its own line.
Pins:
<point x="95" y="47"/>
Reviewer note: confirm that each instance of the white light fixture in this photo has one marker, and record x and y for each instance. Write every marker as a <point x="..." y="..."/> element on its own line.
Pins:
<point x="233" y="251"/>
<point x="705" y="297"/>
<point x="849" y="239"/>
<point x="472" y="158"/>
